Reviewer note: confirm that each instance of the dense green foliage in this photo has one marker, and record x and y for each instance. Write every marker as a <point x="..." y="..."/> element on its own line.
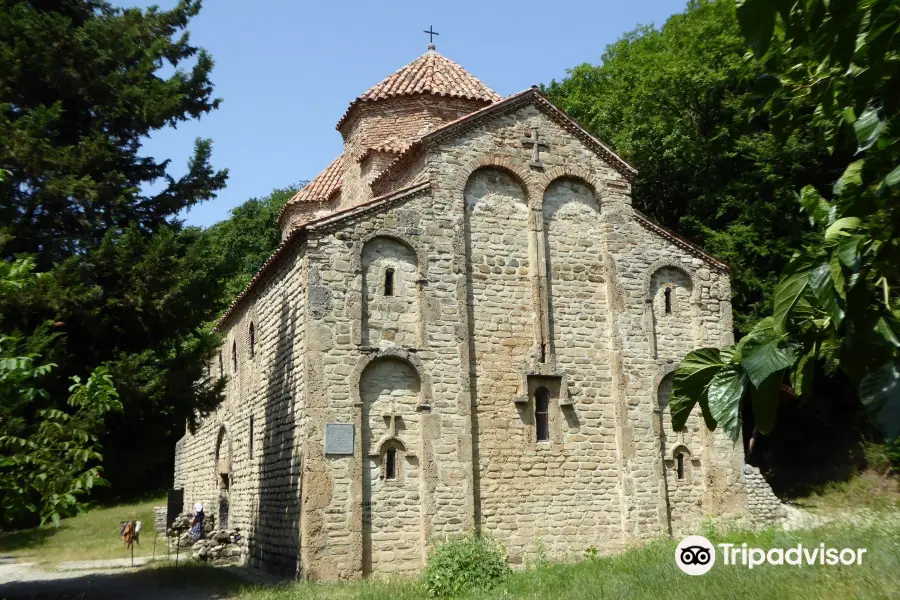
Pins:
<point x="248" y="237"/>
<point x="464" y="564"/>
<point x="126" y="285"/>
<point x="837" y="303"/>
<point x="48" y="457"/>
<point x="676" y="102"/>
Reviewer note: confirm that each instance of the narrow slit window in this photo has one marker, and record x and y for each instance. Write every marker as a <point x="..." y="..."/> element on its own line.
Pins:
<point x="679" y="461"/>
<point x="542" y="415"/>
<point x="388" y="282"/>
<point x="221" y="365"/>
<point x="234" y="356"/>
<point x="668" y="294"/>
<point x="252" y="340"/>
<point x="251" y="436"/>
<point x="390" y="464"/>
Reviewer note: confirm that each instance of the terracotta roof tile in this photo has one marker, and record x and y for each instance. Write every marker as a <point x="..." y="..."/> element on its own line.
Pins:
<point x="321" y="188"/>
<point x="391" y="147"/>
<point x="431" y="73"/>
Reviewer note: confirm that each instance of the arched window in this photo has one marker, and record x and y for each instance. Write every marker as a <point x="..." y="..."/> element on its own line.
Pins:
<point x="679" y="465"/>
<point x="668" y="294"/>
<point x="390" y="464"/>
<point x="234" y="355"/>
<point x="542" y="415"/>
<point x="388" y="282"/>
<point x="252" y="340"/>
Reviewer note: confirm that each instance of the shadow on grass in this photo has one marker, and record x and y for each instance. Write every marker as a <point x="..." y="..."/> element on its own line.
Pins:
<point x="25" y="538"/>
<point x="185" y="582"/>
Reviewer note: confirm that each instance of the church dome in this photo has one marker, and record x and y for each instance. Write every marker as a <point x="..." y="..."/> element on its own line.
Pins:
<point x="432" y="74"/>
<point x="381" y="124"/>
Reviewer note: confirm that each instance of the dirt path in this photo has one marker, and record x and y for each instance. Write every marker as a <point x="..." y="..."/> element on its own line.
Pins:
<point x="21" y="581"/>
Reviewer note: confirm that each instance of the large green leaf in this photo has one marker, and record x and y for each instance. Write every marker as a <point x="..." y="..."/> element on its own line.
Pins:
<point x="817" y="207"/>
<point x="848" y="251"/>
<point x="868" y="127"/>
<point x="852" y="176"/>
<point x="825" y="295"/>
<point x="757" y="21"/>
<point x="762" y="357"/>
<point x="765" y="402"/>
<point x="840" y="229"/>
<point x="691" y="382"/>
<point x="880" y="394"/>
<point x="802" y="375"/>
<point x="787" y="293"/>
<point x="726" y="390"/>
<point x="837" y="276"/>
<point x="892" y="179"/>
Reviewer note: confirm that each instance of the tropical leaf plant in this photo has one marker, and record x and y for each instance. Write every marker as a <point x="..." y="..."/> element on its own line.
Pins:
<point x="837" y="303"/>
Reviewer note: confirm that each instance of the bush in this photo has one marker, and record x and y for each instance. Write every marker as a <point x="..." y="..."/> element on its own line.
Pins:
<point x="468" y="563"/>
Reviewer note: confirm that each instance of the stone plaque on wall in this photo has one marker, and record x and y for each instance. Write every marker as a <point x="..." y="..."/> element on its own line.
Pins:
<point x="338" y="438"/>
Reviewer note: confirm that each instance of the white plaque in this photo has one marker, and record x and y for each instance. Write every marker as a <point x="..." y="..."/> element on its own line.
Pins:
<point x="338" y="438"/>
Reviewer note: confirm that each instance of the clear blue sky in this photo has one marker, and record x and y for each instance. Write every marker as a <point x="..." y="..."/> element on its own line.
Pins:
<point x="287" y="69"/>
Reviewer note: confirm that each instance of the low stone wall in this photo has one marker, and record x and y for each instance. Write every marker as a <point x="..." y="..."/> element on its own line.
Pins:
<point x="219" y="547"/>
<point x="763" y="504"/>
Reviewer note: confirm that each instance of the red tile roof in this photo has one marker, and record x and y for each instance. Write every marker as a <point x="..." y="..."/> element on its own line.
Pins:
<point x="321" y="188"/>
<point x="431" y="73"/>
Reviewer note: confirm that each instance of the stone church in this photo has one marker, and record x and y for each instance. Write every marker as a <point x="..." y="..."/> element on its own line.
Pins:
<point x="466" y="327"/>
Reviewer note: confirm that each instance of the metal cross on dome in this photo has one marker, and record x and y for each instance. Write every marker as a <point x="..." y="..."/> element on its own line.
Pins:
<point x="431" y="33"/>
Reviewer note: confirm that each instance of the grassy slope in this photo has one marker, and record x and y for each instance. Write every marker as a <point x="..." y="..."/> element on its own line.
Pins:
<point x="650" y="572"/>
<point x="91" y="535"/>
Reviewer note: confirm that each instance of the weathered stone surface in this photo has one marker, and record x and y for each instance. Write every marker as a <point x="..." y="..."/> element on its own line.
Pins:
<point x="506" y="280"/>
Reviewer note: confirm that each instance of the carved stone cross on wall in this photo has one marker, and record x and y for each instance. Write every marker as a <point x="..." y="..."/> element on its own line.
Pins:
<point x="392" y="418"/>
<point x="531" y="139"/>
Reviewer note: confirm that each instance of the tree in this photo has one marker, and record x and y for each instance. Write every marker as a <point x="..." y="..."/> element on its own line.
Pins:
<point x="48" y="457"/>
<point x="248" y="237"/>
<point x="126" y="285"/>
<point x="837" y="301"/>
<point x="674" y="101"/>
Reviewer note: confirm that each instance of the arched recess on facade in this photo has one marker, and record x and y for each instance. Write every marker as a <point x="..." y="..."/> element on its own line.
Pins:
<point x="224" y="473"/>
<point x="390" y="387"/>
<point x="574" y="172"/>
<point x="398" y="354"/>
<point x="568" y="241"/>
<point x="523" y="176"/>
<point x="671" y="309"/>
<point x="388" y="304"/>
<point x="501" y="259"/>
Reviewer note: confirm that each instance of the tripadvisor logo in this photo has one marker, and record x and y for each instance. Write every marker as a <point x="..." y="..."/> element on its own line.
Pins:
<point x="696" y="555"/>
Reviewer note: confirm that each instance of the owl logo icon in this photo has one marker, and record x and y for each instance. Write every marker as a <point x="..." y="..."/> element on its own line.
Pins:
<point x="695" y="555"/>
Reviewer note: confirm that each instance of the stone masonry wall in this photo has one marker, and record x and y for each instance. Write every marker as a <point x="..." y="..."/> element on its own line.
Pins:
<point x="392" y="123"/>
<point x="260" y="419"/>
<point x="351" y="518"/>
<point x="390" y="319"/>
<point x="509" y="278"/>
<point x="599" y="481"/>
<point x="764" y="505"/>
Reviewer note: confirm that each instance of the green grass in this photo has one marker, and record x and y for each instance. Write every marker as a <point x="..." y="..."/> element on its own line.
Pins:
<point x="868" y="489"/>
<point x="650" y="572"/>
<point x="88" y="536"/>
